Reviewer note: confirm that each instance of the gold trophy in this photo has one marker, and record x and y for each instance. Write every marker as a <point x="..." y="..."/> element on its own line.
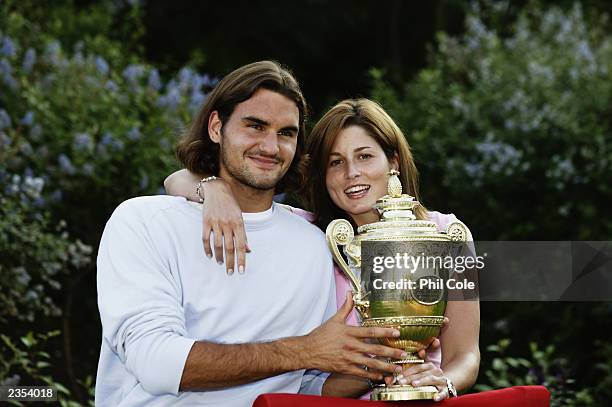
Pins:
<point x="413" y="300"/>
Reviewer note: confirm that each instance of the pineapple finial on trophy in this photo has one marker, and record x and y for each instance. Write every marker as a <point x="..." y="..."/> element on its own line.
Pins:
<point x="394" y="186"/>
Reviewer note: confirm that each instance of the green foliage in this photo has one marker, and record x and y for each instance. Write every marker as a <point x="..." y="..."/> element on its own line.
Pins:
<point x="28" y="358"/>
<point x="542" y="368"/>
<point x="99" y="126"/>
<point x="515" y="128"/>
<point x="510" y="126"/>
<point x="35" y="256"/>
<point x="85" y="123"/>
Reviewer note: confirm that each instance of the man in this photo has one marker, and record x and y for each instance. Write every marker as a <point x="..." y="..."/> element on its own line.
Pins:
<point x="175" y="332"/>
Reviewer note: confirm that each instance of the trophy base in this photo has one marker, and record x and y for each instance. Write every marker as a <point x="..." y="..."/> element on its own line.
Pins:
<point x="403" y="392"/>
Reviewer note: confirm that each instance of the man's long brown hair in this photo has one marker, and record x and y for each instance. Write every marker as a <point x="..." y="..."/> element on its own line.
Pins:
<point x="200" y="155"/>
<point x="377" y="123"/>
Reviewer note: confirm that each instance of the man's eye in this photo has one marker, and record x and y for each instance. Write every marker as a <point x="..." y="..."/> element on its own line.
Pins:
<point x="256" y="126"/>
<point x="286" y="133"/>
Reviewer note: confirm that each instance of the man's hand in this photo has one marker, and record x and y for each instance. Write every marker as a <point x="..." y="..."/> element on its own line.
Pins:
<point x="340" y="348"/>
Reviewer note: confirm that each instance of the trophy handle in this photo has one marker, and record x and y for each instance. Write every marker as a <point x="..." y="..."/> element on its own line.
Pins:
<point x="340" y="233"/>
<point x="458" y="232"/>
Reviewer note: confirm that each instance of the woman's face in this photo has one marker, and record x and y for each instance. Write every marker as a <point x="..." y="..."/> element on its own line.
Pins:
<point x="357" y="173"/>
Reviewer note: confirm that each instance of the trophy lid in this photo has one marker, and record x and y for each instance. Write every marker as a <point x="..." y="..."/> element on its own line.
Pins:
<point x="396" y="211"/>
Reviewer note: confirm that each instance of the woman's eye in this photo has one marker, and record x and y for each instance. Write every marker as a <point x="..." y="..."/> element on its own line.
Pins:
<point x="365" y="156"/>
<point x="333" y="163"/>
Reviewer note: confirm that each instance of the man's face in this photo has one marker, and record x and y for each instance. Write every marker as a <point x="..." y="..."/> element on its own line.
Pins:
<point x="259" y="139"/>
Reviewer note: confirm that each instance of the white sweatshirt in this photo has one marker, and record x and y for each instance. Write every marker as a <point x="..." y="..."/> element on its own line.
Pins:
<point x="158" y="293"/>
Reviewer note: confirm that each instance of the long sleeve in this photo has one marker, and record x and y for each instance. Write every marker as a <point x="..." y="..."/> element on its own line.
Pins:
<point x="140" y="303"/>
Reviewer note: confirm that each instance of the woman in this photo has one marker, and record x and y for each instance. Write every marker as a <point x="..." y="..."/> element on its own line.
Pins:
<point x="351" y="150"/>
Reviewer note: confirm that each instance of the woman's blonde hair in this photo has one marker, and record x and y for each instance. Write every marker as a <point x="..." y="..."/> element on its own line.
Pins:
<point x="371" y="117"/>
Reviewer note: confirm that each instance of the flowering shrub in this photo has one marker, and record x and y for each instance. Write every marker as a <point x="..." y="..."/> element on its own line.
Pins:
<point x="513" y="130"/>
<point x="34" y="254"/>
<point x="98" y="132"/>
<point x="84" y="125"/>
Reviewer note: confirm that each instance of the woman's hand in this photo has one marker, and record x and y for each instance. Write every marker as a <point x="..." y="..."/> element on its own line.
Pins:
<point x="222" y="216"/>
<point x="419" y="372"/>
<point x="425" y="374"/>
<point x="434" y="344"/>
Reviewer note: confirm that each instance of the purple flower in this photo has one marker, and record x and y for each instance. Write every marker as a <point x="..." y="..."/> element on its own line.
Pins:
<point x="25" y="148"/>
<point x="134" y="134"/>
<point x="82" y="141"/>
<point x="4" y="140"/>
<point x="101" y="65"/>
<point x="52" y="51"/>
<point x="65" y="164"/>
<point x="5" y="119"/>
<point x="108" y="140"/>
<point x="133" y="73"/>
<point x="28" y="118"/>
<point x="36" y="132"/>
<point x="78" y="58"/>
<point x="7" y="47"/>
<point x="111" y="86"/>
<point x="208" y="81"/>
<point x="33" y="186"/>
<point x="57" y="195"/>
<point x="154" y="80"/>
<point x="6" y="74"/>
<point x="197" y="99"/>
<point x="29" y="59"/>
<point x="185" y="77"/>
<point x="170" y="100"/>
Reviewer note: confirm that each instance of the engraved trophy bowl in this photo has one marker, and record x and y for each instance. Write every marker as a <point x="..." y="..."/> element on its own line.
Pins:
<point x="410" y="299"/>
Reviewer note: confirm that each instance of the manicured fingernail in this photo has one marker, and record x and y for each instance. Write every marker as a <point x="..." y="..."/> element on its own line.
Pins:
<point x="398" y="369"/>
<point x="396" y="333"/>
<point x="230" y="271"/>
<point x="416" y="382"/>
<point x="437" y="398"/>
<point x="241" y="269"/>
<point x="209" y="255"/>
<point x="403" y="381"/>
<point x="399" y="376"/>
<point x="404" y="355"/>
<point x="219" y="262"/>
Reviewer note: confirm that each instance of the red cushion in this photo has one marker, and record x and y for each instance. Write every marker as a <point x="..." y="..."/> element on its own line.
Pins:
<point x="518" y="396"/>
